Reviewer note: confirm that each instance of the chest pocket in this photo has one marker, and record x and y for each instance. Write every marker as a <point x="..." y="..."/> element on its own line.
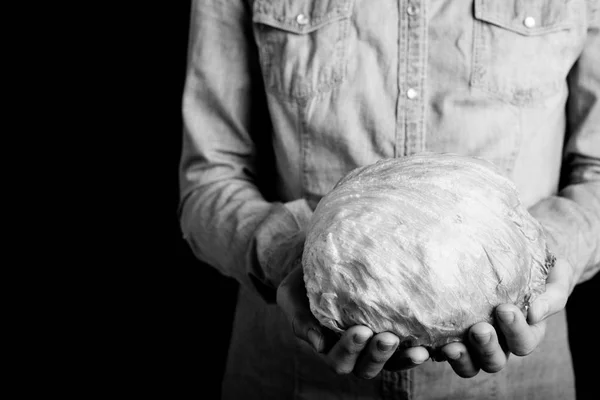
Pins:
<point x="302" y="44"/>
<point x="523" y="49"/>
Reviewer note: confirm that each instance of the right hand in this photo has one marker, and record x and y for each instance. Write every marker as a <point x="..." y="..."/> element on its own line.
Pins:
<point x="358" y="350"/>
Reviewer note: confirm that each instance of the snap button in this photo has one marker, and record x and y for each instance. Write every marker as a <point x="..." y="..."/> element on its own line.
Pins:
<point x="529" y="22"/>
<point x="412" y="10"/>
<point x="302" y="19"/>
<point x="411" y="93"/>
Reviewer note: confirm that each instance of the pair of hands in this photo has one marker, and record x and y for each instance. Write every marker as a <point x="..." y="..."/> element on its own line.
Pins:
<point x="363" y="353"/>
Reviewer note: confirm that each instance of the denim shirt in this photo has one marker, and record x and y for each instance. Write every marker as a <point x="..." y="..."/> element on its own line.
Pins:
<point x="284" y="97"/>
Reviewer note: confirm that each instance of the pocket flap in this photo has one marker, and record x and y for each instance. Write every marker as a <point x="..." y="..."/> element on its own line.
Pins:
<point x="300" y="17"/>
<point x="528" y="18"/>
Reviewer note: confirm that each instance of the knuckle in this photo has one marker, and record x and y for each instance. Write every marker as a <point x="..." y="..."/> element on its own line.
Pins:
<point x="354" y="349"/>
<point x="488" y="352"/>
<point x="378" y="358"/>
<point x="349" y="350"/>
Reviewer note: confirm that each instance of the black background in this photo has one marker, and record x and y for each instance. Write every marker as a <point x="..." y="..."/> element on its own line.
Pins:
<point x="192" y="305"/>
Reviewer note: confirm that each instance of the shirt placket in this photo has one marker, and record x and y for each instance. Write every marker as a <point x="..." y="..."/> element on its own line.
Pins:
<point x="410" y="129"/>
<point x="412" y="53"/>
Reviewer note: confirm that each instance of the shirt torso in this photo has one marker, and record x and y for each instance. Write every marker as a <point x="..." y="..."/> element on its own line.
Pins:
<point x="349" y="82"/>
<point x="352" y="81"/>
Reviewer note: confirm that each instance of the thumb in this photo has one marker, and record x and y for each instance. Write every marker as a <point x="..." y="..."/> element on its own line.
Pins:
<point x="554" y="299"/>
<point x="292" y="299"/>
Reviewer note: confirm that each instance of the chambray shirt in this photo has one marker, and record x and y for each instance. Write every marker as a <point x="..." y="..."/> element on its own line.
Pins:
<point x="284" y="97"/>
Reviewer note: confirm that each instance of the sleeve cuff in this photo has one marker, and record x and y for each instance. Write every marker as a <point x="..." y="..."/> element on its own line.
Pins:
<point x="278" y="245"/>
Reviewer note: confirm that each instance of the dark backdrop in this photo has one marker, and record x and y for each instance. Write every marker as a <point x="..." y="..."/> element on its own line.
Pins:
<point x="201" y="300"/>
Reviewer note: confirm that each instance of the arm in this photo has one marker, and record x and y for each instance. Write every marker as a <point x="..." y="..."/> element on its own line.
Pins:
<point x="571" y="220"/>
<point x="224" y="216"/>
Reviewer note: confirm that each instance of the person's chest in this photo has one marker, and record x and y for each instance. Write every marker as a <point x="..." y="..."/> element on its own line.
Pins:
<point x="352" y="81"/>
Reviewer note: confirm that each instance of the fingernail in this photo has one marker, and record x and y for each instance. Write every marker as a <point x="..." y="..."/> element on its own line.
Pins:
<point x="315" y="338"/>
<point x="482" y="338"/>
<point x="360" y="339"/>
<point x="454" y="356"/>
<point x="381" y="346"/>
<point x="506" y="316"/>
<point x="419" y="361"/>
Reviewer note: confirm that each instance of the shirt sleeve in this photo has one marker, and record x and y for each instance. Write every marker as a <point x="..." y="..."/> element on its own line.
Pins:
<point x="572" y="218"/>
<point x="224" y="214"/>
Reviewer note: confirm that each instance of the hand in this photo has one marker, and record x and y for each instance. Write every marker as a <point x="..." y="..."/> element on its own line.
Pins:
<point x="358" y="350"/>
<point x="488" y="348"/>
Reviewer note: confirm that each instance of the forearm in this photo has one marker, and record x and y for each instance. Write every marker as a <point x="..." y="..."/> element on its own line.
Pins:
<point x="572" y="223"/>
<point x="572" y="217"/>
<point x="231" y="227"/>
<point x="223" y="214"/>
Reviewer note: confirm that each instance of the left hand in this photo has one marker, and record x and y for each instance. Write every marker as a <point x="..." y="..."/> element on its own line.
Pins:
<point x="518" y="334"/>
<point x="358" y="350"/>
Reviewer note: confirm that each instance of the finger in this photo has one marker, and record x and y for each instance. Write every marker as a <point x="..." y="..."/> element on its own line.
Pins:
<point x="291" y="298"/>
<point x="407" y="358"/>
<point x="520" y="337"/>
<point x="379" y="350"/>
<point x="554" y="299"/>
<point x="343" y="355"/>
<point x="486" y="348"/>
<point x="460" y="360"/>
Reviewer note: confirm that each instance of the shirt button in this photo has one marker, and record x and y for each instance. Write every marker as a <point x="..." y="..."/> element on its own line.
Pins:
<point x="529" y="22"/>
<point x="411" y="93"/>
<point x="412" y="10"/>
<point x="302" y="19"/>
